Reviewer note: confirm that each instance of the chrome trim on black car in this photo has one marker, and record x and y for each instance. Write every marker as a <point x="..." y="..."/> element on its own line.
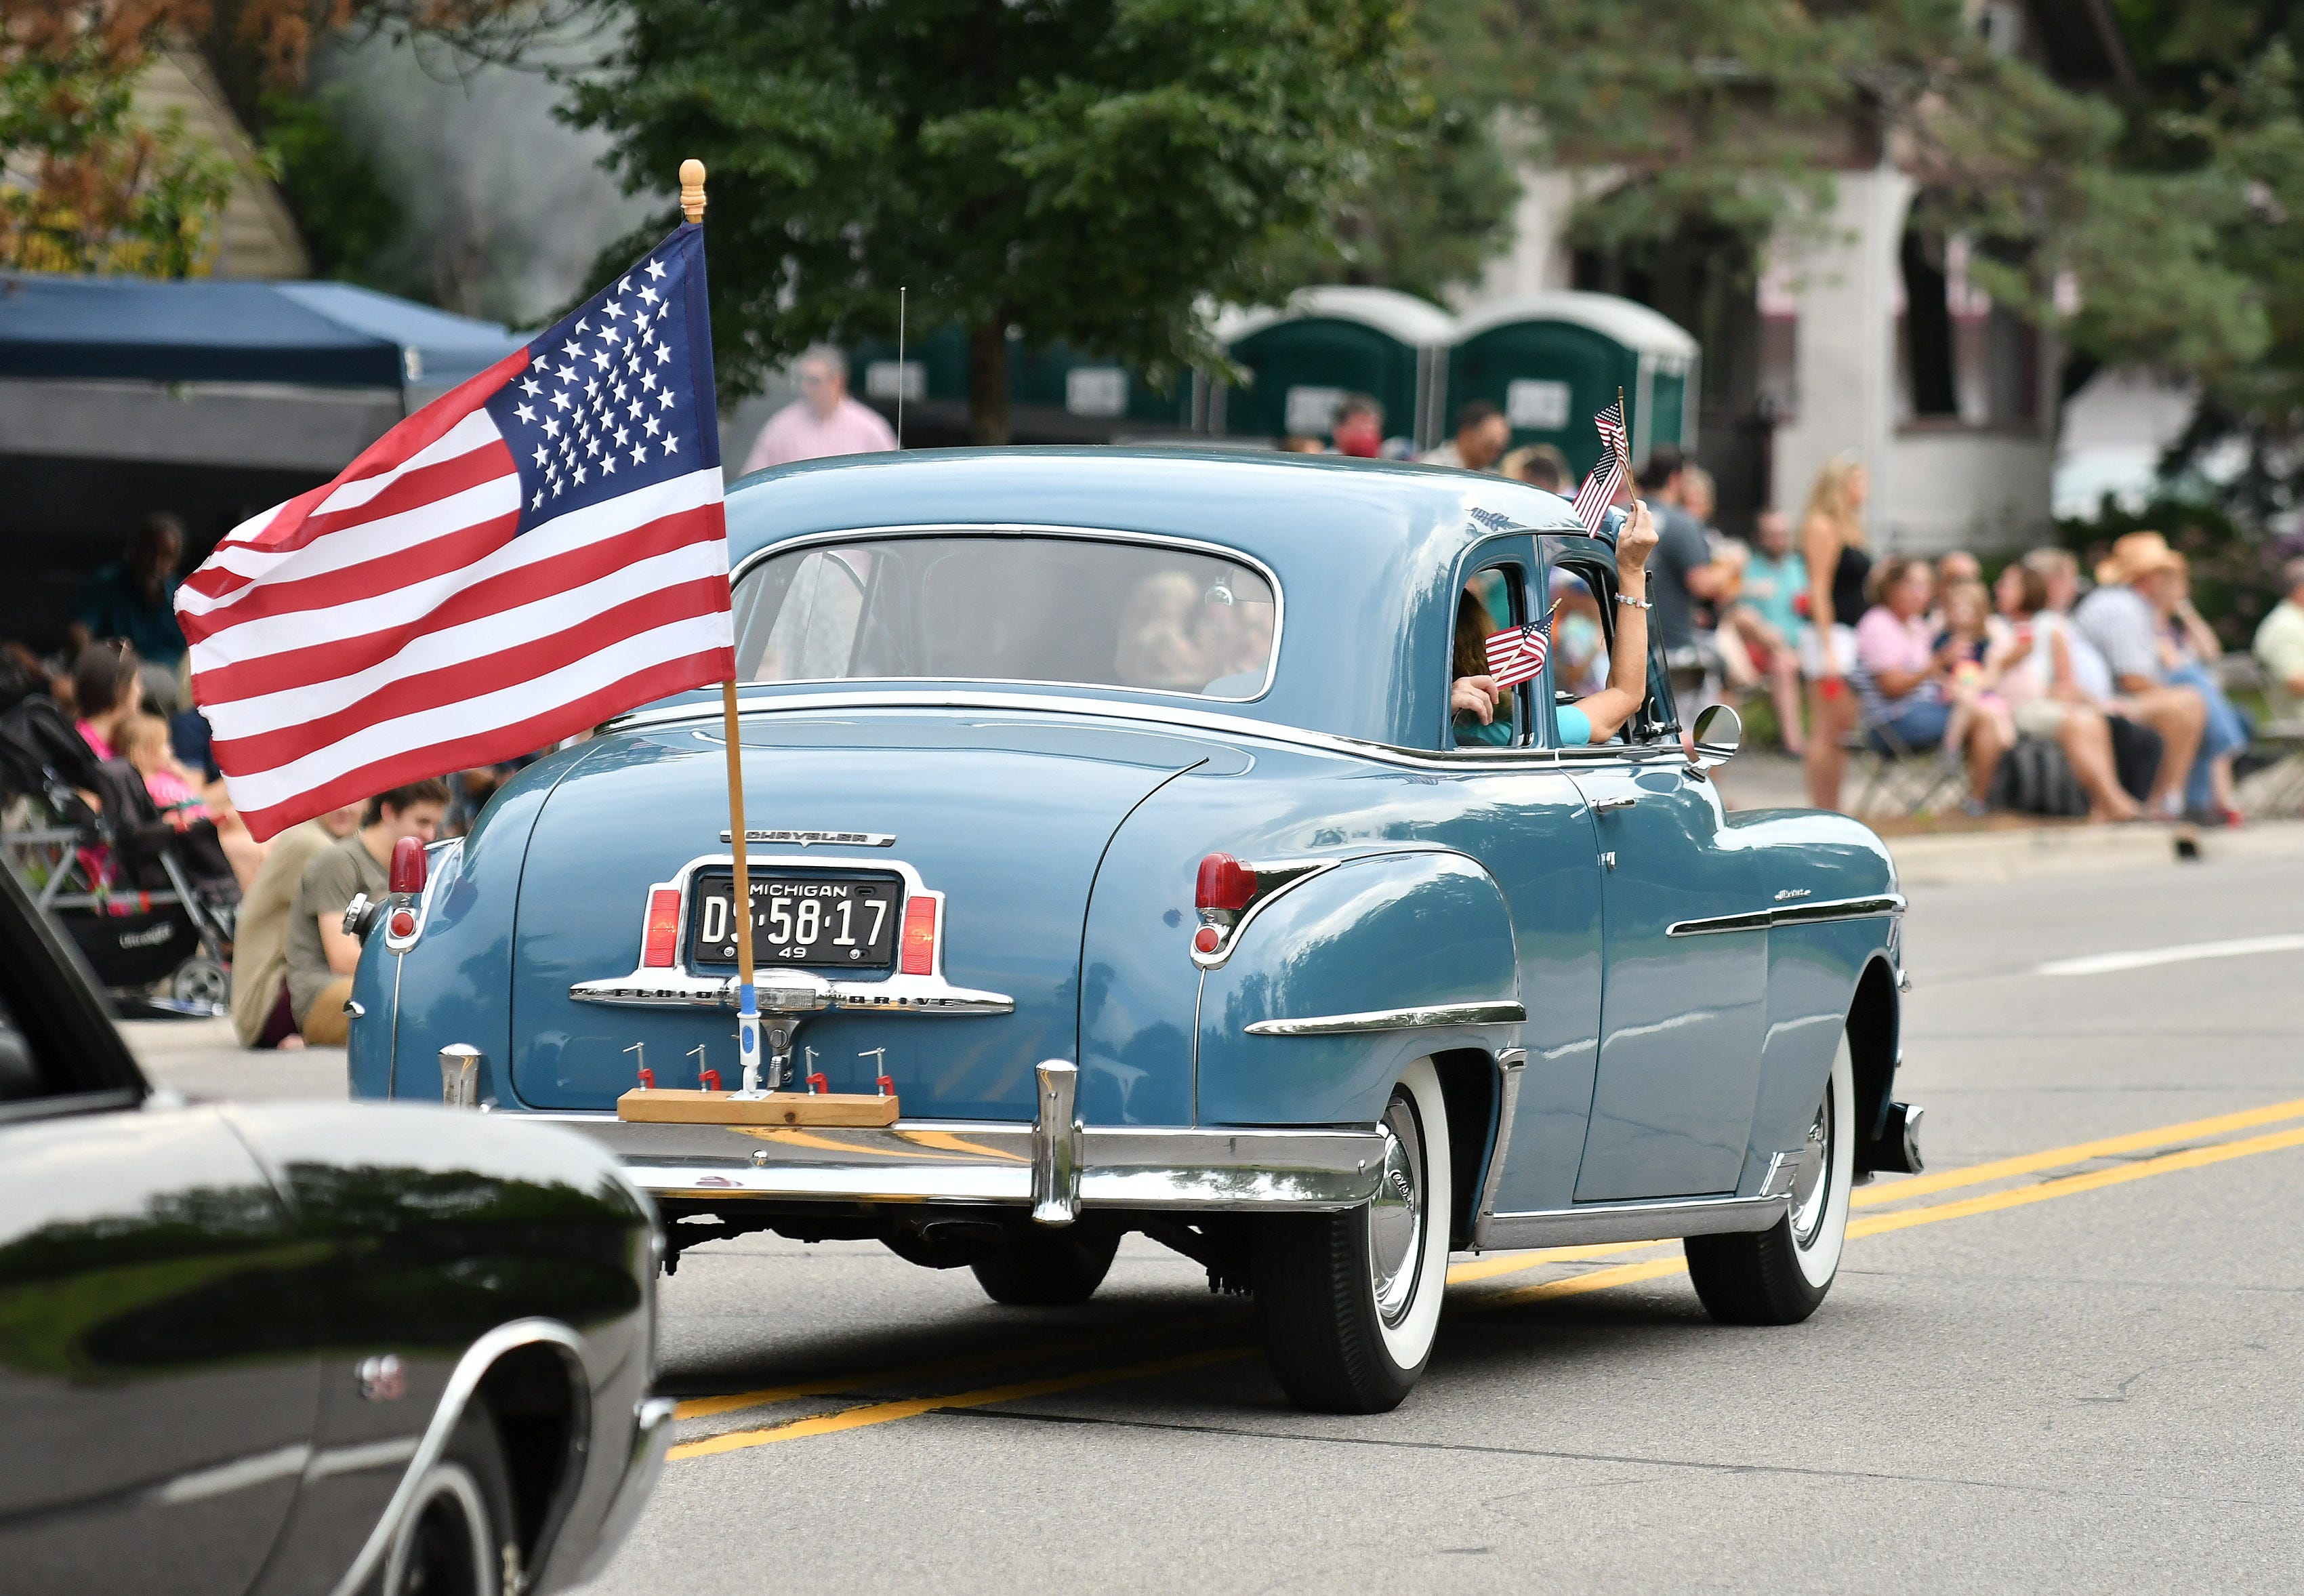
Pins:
<point x="1761" y="919"/>
<point x="1495" y="1012"/>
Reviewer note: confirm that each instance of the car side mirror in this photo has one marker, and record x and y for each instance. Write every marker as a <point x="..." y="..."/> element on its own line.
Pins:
<point x="1719" y="733"/>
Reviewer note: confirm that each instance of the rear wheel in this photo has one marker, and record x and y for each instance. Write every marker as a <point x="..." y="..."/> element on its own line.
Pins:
<point x="1351" y="1300"/>
<point x="457" y="1539"/>
<point x="1040" y="1267"/>
<point x="1780" y="1276"/>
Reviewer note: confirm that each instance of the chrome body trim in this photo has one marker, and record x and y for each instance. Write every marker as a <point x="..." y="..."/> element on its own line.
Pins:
<point x="967" y="1162"/>
<point x="1509" y="1063"/>
<point x="1791" y="914"/>
<point x="1496" y="1012"/>
<point x="771" y="700"/>
<point x="1018" y="528"/>
<point x="785" y="990"/>
<point x="460" y="1075"/>
<point x="1055" y="1144"/>
<point x="757" y="837"/>
<point x="1637" y="1221"/>
<point x="1784" y="1171"/>
<point x="1295" y="873"/>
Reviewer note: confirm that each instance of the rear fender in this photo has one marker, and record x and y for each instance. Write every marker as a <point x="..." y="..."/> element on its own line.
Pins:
<point x="1384" y="934"/>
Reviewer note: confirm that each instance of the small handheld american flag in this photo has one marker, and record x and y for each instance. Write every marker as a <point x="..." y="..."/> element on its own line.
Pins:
<point x="1516" y="654"/>
<point x="1599" y="489"/>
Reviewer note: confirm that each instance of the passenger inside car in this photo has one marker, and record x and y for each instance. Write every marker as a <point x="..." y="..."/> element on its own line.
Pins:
<point x="1476" y="699"/>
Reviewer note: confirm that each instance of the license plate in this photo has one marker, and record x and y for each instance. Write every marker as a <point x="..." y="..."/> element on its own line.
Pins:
<point x="822" y="922"/>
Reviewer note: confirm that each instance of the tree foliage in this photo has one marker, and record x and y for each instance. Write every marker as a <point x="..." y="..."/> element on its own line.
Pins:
<point x="91" y="185"/>
<point x="1089" y="172"/>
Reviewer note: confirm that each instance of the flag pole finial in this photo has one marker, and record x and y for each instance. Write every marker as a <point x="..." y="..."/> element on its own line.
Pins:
<point x="691" y="188"/>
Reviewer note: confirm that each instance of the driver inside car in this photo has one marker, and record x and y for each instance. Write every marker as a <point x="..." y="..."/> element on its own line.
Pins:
<point x="1474" y="698"/>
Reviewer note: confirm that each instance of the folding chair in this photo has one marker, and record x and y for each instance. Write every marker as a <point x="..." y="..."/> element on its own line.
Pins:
<point x="1905" y="781"/>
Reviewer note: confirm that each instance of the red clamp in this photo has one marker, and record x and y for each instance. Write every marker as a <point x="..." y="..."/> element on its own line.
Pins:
<point x="647" y="1080"/>
<point x="819" y="1082"/>
<point x="709" y="1080"/>
<point x="887" y="1085"/>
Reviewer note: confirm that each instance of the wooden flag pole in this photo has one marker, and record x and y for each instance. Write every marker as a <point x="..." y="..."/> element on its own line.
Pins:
<point x="748" y="1001"/>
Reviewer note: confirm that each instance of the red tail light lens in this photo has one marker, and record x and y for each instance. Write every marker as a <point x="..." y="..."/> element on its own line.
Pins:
<point x="663" y="929"/>
<point x="920" y="936"/>
<point x="408" y="865"/>
<point x="1225" y="883"/>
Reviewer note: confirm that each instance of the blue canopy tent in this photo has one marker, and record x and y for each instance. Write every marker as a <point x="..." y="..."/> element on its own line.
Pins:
<point x="323" y="334"/>
<point x="210" y="399"/>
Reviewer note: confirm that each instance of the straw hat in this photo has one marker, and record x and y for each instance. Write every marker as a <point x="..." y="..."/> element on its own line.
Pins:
<point x="2137" y="555"/>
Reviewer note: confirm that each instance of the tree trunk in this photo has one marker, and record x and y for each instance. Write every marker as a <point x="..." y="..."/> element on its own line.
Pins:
<point x="988" y="383"/>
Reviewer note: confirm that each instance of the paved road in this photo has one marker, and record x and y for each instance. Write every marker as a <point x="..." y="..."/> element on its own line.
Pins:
<point x="2077" y="1374"/>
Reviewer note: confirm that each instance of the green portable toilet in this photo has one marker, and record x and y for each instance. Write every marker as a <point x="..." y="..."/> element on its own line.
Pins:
<point x="1055" y="395"/>
<point x="1552" y="362"/>
<point x="1334" y="340"/>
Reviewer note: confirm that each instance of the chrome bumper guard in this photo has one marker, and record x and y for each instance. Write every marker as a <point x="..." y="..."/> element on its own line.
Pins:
<point x="1054" y="1167"/>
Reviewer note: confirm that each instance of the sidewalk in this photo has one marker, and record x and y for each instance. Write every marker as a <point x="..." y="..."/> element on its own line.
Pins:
<point x="1952" y="849"/>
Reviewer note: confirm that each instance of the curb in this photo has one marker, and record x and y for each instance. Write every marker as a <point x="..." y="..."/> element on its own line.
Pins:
<point x="1994" y="856"/>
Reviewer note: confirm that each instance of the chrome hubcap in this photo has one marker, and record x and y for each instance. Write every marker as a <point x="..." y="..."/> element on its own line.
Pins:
<point x="1811" y="1185"/>
<point x="1396" y="1216"/>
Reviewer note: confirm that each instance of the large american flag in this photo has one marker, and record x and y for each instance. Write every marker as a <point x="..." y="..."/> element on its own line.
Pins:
<point x="539" y="549"/>
<point x="1599" y="489"/>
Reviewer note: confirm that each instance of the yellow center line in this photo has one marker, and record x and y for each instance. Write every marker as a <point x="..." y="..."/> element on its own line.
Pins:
<point x="1921" y="1185"/>
<point x="1602" y="1279"/>
<point x="2030" y="1163"/>
<point x="888" y="1412"/>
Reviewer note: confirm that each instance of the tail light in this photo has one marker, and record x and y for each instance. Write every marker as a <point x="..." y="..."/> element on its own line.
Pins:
<point x="920" y="936"/>
<point x="1225" y="884"/>
<point x="408" y="865"/>
<point x="663" y="929"/>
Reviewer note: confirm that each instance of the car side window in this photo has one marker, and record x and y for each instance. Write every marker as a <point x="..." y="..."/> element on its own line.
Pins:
<point x="1583" y="638"/>
<point x="1492" y="599"/>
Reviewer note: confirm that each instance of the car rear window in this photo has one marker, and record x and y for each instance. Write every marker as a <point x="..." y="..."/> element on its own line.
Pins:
<point x="1078" y="611"/>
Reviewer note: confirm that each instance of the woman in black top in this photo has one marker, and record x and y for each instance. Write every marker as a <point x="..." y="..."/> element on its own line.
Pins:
<point x="1832" y="542"/>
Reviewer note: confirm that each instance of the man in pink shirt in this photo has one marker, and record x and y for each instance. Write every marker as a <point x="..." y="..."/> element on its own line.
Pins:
<point x="823" y="421"/>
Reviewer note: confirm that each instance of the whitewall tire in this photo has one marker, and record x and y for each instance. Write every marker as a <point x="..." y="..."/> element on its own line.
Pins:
<point x="1351" y="1300"/>
<point x="1780" y="1276"/>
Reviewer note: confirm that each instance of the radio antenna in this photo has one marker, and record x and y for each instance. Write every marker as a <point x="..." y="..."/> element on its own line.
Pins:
<point x="902" y="376"/>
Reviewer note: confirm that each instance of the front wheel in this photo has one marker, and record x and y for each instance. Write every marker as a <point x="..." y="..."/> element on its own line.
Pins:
<point x="1780" y="1275"/>
<point x="457" y="1539"/>
<point x="1351" y="1300"/>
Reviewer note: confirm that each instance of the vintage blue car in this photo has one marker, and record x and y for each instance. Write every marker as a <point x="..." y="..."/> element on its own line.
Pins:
<point x="1105" y="809"/>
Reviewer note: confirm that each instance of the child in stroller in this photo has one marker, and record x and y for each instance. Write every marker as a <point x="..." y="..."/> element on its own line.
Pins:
<point x="147" y="904"/>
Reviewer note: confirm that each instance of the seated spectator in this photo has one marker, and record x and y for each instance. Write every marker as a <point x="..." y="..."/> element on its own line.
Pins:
<point x="1540" y="465"/>
<point x="2191" y="649"/>
<point x="320" y="954"/>
<point x="1482" y="434"/>
<point x="108" y="693"/>
<point x="144" y="745"/>
<point x="1766" y="618"/>
<point x="1296" y="443"/>
<point x="2034" y="671"/>
<point x="261" y="1014"/>
<point x="1358" y="429"/>
<point x="1963" y="621"/>
<point x="1909" y="675"/>
<point x="2280" y="649"/>
<point x="2136" y="586"/>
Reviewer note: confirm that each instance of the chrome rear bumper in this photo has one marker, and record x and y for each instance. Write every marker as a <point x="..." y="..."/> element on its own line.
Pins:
<point x="1055" y="1167"/>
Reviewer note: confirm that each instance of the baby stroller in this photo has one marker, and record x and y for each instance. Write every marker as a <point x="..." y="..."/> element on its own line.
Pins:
<point x="149" y="906"/>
